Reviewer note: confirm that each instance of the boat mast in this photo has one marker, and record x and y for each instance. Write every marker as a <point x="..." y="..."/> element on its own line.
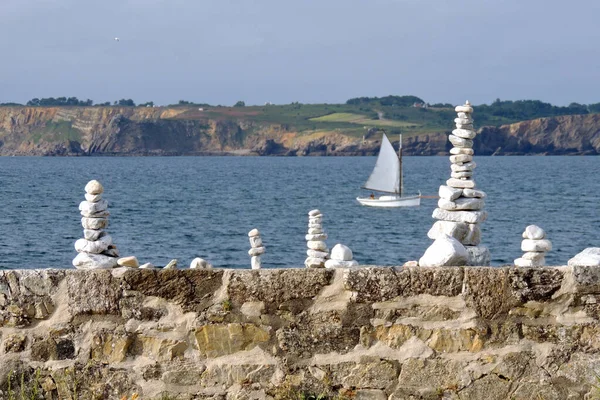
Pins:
<point x="400" y="163"/>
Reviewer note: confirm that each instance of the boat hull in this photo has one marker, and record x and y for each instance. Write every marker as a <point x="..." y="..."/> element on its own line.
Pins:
<point x="390" y="201"/>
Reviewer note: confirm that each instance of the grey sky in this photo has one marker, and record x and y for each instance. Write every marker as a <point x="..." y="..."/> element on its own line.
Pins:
<point x="221" y="51"/>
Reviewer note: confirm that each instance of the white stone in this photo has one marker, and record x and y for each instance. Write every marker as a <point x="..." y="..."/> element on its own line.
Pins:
<point x="461" y="183"/>
<point x="462" y="203"/>
<point x="315" y="226"/>
<point x="94" y="223"/>
<point x="522" y="262"/>
<point x="341" y="253"/>
<point x="463" y="115"/>
<point x="460" y="142"/>
<point x="320" y="236"/>
<point x="462" y="150"/>
<point x="93" y="198"/>
<point x="445" y="251"/>
<point x="312" y="262"/>
<point x="461" y="158"/>
<point x="463" y="167"/>
<point x="474" y="193"/>
<point x="316" y="245"/>
<point x="464" y="133"/>
<point x="470" y="217"/>
<point x="588" y="257"/>
<point x="94" y="247"/>
<point x="317" y="253"/>
<point x="94" y="261"/>
<point x="479" y="256"/>
<point x="253" y="232"/>
<point x="534" y="232"/>
<point x="256" y="251"/>
<point x="200" y="263"/>
<point x="467" y="234"/>
<point x="533" y="255"/>
<point x="314" y="221"/>
<point x="94" y="187"/>
<point x="101" y="214"/>
<point x="91" y="208"/>
<point x="411" y="263"/>
<point x="465" y="109"/>
<point x="536" y="245"/>
<point x="313" y="213"/>
<point x="464" y="126"/>
<point x="147" y="266"/>
<point x="111" y="251"/>
<point x="172" y="264"/>
<point x="131" y="262"/>
<point x="462" y="174"/>
<point x="463" y="121"/>
<point x="255" y="241"/>
<point x="449" y="193"/>
<point x="255" y="262"/>
<point x="92" y="234"/>
<point x="314" y="231"/>
<point x="340" y="264"/>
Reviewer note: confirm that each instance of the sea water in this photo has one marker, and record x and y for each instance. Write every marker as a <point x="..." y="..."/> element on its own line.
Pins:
<point x="185" y="207"/>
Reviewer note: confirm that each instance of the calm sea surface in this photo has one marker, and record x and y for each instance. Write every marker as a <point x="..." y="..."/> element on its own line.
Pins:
<point x="185" y="207"/>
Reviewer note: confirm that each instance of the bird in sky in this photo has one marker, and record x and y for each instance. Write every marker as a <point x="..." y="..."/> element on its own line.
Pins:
<point x="116" y="39"/>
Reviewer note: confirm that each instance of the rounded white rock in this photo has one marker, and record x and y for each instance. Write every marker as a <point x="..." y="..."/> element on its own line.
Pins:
<point x="94" y="187"/>
<point x="314" y="231"/>
<point x="253" y="232"/>
<point x="474" y="193"/>
<point x="312" y="213"/>
<point x="461" y="183"/>
<point x="340" y="264"/>
<point x="255" y="241"/>
<point x="316" y="245"/>
<point x="316" y="220"/>
<point x="341" y="253"/>
<point x="469" y="217"/>
<point x="256" y="251"/>
<point x="534" y="232"/>
<point x="461" y="174"/>
<point x="255" y="262"/>
<point x="92" y="234"/>
<point x="461" y="158"/>
<point x="147" y="266"/>
<point x="449" y="193"/>
<point x="464" y="109"/>
<point x="94" y="261"/>
<point x="131" y="262"/>
<point x="317" y="253"/>
<point x="200" y="263"/>
<point x="588" y="257"/>
<point x="462" y="203"/>
<point x="463" y="167"/>
<point x="460" y="142"/>
<point x="93" y="198"/>
<point x="94" y="223"/>
<point x="445" y="251"/>
<point x="94" y="247"/>
<point x="462" y="150"/>
<point x="463" y="121"/>
<point x="523" y="262"/>
<point x="172" y="264"/>
<point x="319" y="236"/>
<point x="539" y="245"/>
<point x="464" y="133"/>
<point x="533" y="255"/>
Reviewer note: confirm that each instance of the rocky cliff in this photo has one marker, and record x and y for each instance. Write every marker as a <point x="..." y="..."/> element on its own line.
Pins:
<point x="364" y="334"/>
<point x="183" y="131"/>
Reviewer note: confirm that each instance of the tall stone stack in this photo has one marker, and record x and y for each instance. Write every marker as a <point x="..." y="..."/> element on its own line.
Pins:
<point x="460" y="208"/>
<point x="96" y="249"/>
<point x="256" y="249"/>
<point x="315" y="241"/>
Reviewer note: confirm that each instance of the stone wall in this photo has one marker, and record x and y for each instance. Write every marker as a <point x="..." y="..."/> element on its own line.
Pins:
<point x="369" y="333"/>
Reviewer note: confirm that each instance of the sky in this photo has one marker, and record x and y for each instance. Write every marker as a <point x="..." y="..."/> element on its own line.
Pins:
<point x="311" y="51"/>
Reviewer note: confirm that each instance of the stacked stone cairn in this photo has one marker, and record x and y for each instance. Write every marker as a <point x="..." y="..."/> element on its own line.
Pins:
<point x="341" y="257"/>
<point x="256" y="249"/>
<point x="96" y="249"/>
<point x="535" y="245"/>
<point x="315" y="241"/>
<point x="460" y="208"/>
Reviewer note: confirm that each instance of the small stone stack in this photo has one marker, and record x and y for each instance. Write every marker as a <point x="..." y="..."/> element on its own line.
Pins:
<point x="257" y="249"/>
<point x="460" y="208"/>
<point x="315" y="241"/>
<point x="96" y="249"/>
<point x="535" y="245"/>
<point x="341" y="257"/>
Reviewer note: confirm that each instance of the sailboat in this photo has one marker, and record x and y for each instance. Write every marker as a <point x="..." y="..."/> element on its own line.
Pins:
<point x="387" y="178"/>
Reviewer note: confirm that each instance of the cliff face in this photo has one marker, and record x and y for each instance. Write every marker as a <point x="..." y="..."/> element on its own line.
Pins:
<point x="178" y="131"/>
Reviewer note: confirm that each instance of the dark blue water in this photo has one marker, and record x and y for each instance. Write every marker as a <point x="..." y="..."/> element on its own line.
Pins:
<point x="185" y="207"/>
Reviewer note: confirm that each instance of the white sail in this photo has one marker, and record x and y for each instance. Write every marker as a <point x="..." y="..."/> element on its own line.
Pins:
<point x="386" y="174"/>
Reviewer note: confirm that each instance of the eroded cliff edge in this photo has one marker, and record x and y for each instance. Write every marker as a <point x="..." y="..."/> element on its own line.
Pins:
<point x="75" y="131"/>
<point x="368" y="333"/>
